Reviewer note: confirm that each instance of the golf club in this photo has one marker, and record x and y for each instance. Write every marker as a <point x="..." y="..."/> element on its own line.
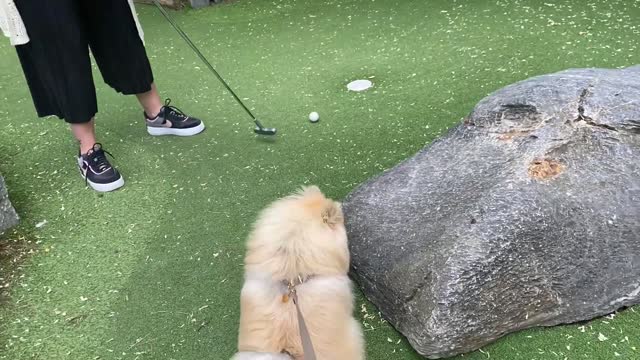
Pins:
<point x="260" y="130"/>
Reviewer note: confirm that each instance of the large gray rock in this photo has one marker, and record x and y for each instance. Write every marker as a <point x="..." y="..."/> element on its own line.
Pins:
<point x="526" y="214"/>
<point x="8" y="216"/>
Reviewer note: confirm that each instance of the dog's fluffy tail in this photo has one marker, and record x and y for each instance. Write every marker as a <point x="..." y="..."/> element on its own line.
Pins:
<point x="260" y="356"/>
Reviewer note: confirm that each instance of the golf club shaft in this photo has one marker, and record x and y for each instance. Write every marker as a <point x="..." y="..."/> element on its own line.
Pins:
<point x="195" y="49"/>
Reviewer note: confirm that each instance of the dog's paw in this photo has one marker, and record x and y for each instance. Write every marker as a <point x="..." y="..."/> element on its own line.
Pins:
<point x="260" y="356"/>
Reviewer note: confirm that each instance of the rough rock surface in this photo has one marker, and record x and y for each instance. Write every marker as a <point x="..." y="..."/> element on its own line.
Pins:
<point x="526" y="214"/>
<point x="8" y="216"/>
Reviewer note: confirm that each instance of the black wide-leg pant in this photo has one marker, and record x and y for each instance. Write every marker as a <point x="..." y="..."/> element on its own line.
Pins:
<point x="56" y="60"/>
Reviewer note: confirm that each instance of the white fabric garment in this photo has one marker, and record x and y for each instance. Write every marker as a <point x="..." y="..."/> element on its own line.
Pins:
<point x="12" y="26"/>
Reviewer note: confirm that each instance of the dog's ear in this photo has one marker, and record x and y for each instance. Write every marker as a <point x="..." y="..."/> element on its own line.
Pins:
<point x="332" y="214"/>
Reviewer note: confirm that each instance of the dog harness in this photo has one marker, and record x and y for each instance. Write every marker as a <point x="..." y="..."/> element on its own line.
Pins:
<point x="305" y="337"/>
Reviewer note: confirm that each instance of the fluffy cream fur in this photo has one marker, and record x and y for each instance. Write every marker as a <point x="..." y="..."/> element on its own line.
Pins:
<point x="260" y="356"/>
<point x="301" y="235"/>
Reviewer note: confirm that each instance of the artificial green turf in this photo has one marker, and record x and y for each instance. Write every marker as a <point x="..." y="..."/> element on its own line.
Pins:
<point x="154" y="271"/>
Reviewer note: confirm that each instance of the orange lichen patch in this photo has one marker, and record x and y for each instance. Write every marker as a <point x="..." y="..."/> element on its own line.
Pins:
<point x="509" y="136"/>
<point x="543" y="169"/>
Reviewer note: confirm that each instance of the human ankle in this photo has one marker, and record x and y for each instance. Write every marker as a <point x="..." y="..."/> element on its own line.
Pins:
<point x="86" y="147"/>
<point x="149" y="117"/>
<point x="150" y="102"/>
<point x="85" y="134"/>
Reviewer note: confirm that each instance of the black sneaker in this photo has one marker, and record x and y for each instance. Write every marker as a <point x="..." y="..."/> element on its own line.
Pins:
<point x="97" y="171"/>
<point x="179" y="123"/>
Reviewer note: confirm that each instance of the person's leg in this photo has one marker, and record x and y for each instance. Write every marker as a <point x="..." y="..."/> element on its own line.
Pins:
<point x="57" y="67"/>
<point x="56" y="61"/>
<point x="85" y="133"/>
<point x="123" y="62"/>
<point x="150" y="102"/>
<point x="50" y="96"/>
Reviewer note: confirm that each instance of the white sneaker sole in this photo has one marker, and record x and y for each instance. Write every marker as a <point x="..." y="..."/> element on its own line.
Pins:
<point x="115" y="185"/>
<point x="107" y="187"/>
<point x="160" y="131"/>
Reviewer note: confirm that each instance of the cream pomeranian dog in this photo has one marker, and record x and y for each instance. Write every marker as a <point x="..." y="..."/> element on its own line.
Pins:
<point x="297" y="258"/>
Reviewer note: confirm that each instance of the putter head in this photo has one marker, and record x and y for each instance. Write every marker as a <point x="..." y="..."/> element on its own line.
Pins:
<point x="261" y="130"/>
<point x="265" y="131"/>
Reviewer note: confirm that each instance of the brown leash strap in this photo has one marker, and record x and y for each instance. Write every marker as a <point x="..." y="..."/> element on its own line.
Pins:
<point x="307" y="345"/>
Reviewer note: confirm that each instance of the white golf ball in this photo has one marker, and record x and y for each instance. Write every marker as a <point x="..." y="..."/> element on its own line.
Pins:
<point x="314" y="116"/>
